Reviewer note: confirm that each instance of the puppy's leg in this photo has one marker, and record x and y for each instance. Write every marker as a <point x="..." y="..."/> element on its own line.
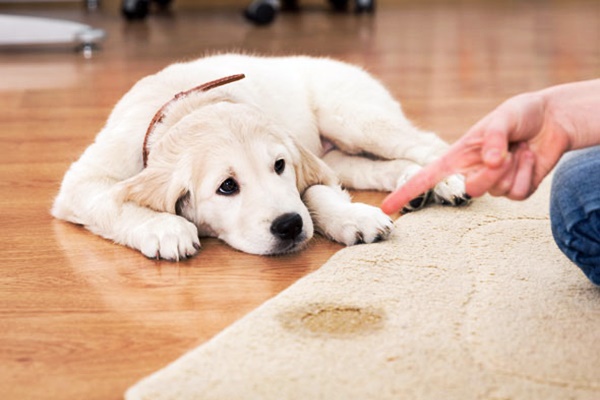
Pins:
<point x="364" y="173"/>
<point x="96" y="203"/>
<point x="337" y="218"/>
<point x="384" y="133"/>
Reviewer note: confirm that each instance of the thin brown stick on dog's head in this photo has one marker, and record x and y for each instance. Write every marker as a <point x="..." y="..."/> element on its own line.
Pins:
<point x="161" y="113"/>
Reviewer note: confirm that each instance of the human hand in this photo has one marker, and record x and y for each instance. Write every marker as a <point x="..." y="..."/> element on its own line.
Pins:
<point x="507" y="153"/>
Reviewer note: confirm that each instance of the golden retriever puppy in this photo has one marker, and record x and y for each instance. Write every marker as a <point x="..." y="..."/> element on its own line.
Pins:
<point x="257" y="160"/>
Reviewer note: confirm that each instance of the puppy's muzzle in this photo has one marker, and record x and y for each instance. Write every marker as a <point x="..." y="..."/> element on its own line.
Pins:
<point x="287" y="226"/>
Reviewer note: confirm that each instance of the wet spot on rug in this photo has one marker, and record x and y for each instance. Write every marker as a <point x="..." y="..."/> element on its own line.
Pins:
<point x="333" y="320"/>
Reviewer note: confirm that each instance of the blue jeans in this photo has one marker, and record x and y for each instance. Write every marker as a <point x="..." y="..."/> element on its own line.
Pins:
<point x="575" y="209"/>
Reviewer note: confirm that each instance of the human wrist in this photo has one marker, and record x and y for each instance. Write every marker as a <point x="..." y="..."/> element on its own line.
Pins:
<point x="573" y="113"/>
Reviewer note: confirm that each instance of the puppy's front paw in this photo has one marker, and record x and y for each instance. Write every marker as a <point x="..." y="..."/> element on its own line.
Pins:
<point x="358" y="223"/>
<point x="451" y="191"/>
<point x="418" y="202"/>
<point x="166" y="236"/>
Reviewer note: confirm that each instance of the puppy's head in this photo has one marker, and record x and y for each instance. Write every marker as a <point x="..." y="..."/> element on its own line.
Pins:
<point x="236" y="175"/>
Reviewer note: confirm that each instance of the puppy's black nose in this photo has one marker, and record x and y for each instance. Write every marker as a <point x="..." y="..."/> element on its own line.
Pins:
<point x="287" y="226"/>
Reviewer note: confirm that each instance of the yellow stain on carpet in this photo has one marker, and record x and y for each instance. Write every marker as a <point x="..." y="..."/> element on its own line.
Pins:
<point x="333" y="320"/>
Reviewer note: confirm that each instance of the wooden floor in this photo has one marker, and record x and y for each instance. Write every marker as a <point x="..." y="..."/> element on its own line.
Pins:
<point x="81" y="318"/>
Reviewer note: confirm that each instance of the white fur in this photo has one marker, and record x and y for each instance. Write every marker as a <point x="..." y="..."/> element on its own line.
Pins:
<point x="285" y="109"/>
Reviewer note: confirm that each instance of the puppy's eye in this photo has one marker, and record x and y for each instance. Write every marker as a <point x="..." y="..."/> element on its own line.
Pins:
<point x="228" y="187"/>
<point x="279" y="166"/>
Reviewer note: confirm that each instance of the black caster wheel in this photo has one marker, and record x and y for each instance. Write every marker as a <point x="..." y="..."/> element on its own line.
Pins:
<point x="163" y="4"/>
<point x="364" y="6"/>
<point x="262" y="12"/>
<point x="290" y="5"/>
<point x="339" y="5"/>
<point x="135" y="9"/>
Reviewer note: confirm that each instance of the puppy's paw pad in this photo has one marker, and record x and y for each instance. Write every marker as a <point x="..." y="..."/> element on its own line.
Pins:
<point x="167" y="237"/>
<point x="451" y="192"/>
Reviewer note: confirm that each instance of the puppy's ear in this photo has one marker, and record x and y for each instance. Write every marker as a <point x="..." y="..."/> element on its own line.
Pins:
<point x="311" y="170"/>
<point x="158" y="189"/>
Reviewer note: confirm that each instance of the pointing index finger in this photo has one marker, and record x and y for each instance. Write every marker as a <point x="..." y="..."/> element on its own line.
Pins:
<point x="461" y="156"/>
<point x="420" y="183"/>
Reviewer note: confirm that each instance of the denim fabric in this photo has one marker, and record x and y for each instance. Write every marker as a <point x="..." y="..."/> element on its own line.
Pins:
<point x="575" y="209"/>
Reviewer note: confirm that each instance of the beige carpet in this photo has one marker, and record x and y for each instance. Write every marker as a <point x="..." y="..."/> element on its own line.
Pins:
<point x="472" y="303"/>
